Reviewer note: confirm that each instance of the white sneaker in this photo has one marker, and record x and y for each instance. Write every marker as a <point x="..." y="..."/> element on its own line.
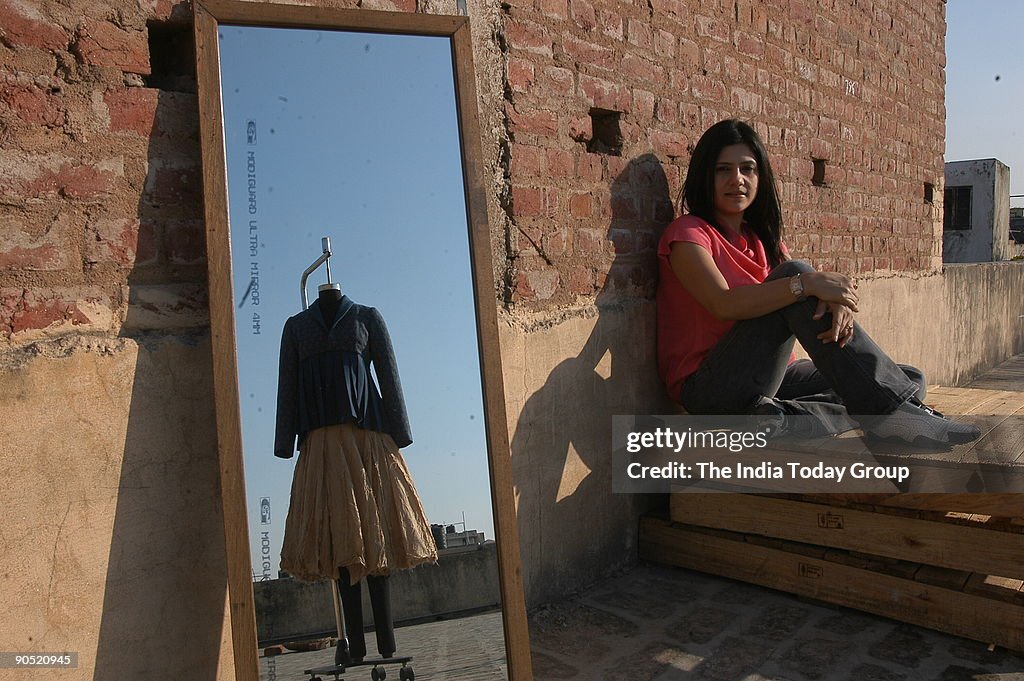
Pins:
<point x="921" y="426"/>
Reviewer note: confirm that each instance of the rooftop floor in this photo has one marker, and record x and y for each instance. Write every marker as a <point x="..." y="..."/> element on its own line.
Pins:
<point x="657" y="623"/>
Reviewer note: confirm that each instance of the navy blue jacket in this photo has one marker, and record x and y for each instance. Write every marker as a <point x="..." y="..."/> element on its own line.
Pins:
<point x="325" y="376"/>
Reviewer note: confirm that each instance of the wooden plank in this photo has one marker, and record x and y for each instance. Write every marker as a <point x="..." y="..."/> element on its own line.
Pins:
<point x="944" y="577"/>
<point x="968" y="615"/>
<point x="1007" y="506"/>
<point x="999" y="588"/>
<point x="949" y="545"/>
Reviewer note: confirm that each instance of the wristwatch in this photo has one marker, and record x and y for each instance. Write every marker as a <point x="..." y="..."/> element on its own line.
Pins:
<point x="796" y="287"/>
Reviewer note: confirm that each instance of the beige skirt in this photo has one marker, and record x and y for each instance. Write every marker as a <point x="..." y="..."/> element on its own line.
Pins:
<point x="353" y="505"/>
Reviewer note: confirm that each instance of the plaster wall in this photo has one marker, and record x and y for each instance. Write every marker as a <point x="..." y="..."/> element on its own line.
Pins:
<point x="988" y="239"/>
<point x="466" y="581"/>
<point x="565" y="380"/>
<point x="112" y="536"/>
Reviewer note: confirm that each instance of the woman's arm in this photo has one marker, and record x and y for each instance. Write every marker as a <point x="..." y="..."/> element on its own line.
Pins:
<point x="699" y="275"/>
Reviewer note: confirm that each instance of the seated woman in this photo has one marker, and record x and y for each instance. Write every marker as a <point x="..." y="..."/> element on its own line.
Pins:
<point x="731" y="302"/>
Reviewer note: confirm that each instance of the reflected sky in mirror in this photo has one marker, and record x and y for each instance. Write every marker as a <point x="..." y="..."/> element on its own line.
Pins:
<point x="353" y="136"/>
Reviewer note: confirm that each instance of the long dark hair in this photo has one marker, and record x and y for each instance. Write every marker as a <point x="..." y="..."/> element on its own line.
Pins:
<point x="764" y="216"/>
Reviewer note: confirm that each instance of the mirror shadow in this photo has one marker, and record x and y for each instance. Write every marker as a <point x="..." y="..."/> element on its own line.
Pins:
<point x="367" y="444"/>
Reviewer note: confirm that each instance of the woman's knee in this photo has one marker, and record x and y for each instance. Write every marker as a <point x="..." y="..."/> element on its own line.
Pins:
<point x="790" y="268"/>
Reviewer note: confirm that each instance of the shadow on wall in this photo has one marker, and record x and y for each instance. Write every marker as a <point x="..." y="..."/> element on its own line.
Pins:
<point x="163" y="607"/>
<point x="574" y="530"/>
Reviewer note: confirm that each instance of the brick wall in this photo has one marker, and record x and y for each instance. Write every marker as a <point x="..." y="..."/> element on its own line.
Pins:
<point x="100" y="177"/>
<point x="858" y="84"/>
<point x="101" y="227"/>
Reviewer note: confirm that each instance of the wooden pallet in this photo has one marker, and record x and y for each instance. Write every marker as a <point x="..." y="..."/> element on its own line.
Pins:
<point x="968" y="604"/>
<point x="968" y="542"/>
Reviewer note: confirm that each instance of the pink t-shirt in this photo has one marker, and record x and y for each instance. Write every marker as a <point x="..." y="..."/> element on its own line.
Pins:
<point x="686" y="330"/>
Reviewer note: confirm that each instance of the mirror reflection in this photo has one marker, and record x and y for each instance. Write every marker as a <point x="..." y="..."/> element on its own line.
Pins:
<point x="374" y="391"/>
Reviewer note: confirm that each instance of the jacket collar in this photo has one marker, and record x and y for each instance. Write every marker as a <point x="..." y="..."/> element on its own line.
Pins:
<point x="344" y="307"/>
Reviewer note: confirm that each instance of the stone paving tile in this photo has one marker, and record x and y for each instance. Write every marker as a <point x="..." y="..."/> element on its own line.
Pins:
<point x="777" y="623"/>
<point x="728" y="631"/>
<point x="715" y="630"/>
<point x="584" y="632"/>
<point x="466" y="649"/>
<point x="907" y="646"/>
<point x="735" y="658"/>
<point x="814" y="658"/>
<point x="702" y="624"/>
<point x="873" y="672"/>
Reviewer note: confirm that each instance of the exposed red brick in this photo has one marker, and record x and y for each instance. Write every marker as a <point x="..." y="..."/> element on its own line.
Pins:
<point x="588" y="53"/>
<point x="558" y="9"/>
<point x="580" y="280"/>
<point x="169" y="10"/>
<point x="750" y="45"/>
<point x="541" y="284"/>
<point x="590" y="242"/>
<point x="525" y="35"/>
<point x="580" y="206"/>
<point x="543" y="123"/>
<point x="74" y="180"/>
<point x="710" y="27"/>
<point x="589" y="167"/>
<point x="611" y="24"/>
<point x="622" y="240"/>
<point x="583" y="14"/>
<point x="636" y="67"/>
<point x="664" y="43"/>
<point x="640" y="33"/>
<point x="51" y="250"/>
<point x="560" y="163"/>
<point x="124" y="242"/>
<point x="60" y="310"/>
<point x="605" y="94"/>
<point x="557" y="244"/>
<point x="746" y="101"/>
<point x="176" y="186"/>
<point x="581" y="129"/>
<point x="669" y="143"/>
<point x="528" y="160"/>
<point x="21" y="24"/>
<point x="520" y="74"/>
<point x="33" y="105"/>
<point x="132" y="110"/>
<point x="185" y="242"/>
<point x="101" y="43"/>
<point x="643" y="104"/>
<point x="707" y="89"/>
<point x="558" y="80"/>
<point x="527" y="201"/>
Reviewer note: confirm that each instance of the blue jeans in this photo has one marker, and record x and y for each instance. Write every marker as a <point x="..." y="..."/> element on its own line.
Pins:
<point x="750" y="364"/>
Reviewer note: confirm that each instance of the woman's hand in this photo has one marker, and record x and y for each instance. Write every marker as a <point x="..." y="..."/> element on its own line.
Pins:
<point x="831" y="287"/>
<point x="841" y="330"/>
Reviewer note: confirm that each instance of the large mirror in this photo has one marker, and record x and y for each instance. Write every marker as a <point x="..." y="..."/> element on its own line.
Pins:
<point x="362" y="432"/>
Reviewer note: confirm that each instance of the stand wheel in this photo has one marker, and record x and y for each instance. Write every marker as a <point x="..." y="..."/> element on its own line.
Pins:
<point x="406" y="674"/>
<point x="315" y="678"/>
<point x="378" y="674"/>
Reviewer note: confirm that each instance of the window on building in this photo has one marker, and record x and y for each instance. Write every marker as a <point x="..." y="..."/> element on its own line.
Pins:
<point x="957" y="208"/>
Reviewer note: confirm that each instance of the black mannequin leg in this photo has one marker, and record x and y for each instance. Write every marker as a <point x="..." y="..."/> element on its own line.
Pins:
<point x="383" y="626"/>
<point x="352" y="606"/>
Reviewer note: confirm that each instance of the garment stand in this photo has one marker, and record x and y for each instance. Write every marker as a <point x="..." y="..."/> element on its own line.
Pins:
<point x="325" y="259"/>
<point x="379" y="592"/>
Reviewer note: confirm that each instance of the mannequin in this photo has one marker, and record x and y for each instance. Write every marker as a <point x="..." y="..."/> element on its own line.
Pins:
<point x="354" y="510"/>
<point x="329" y="296"/>
<point x="352" y="648"/>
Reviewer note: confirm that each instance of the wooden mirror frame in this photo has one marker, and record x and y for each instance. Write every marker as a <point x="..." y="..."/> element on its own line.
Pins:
<point x="208" y="15"/>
